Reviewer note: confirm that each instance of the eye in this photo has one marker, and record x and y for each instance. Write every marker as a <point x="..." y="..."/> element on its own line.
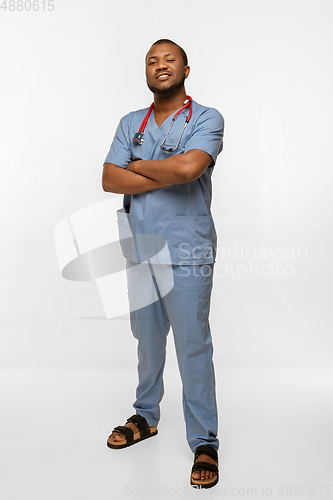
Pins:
<point x="170" y="60"/>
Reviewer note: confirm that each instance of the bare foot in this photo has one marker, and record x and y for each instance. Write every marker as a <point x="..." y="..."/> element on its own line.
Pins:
<point x="201" y="475"/>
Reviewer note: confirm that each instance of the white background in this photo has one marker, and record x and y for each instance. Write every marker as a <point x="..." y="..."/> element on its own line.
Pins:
<point x="68" y="374"/>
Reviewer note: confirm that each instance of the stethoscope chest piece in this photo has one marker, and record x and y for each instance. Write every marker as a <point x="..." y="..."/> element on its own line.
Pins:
<point x="138" y="137"/>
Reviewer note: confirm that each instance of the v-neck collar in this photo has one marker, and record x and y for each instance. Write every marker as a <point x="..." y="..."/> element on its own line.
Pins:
<point x="167" y="118"/>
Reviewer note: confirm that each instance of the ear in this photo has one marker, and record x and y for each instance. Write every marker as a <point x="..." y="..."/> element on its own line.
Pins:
<point x="187" y="71"/>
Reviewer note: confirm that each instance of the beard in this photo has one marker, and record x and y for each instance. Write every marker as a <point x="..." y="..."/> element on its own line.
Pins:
<point x="169" y="91"/>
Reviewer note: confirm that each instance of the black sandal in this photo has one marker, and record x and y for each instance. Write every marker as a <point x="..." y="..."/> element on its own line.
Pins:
<point x="205" y="449"/>
<point x="141" y="424"/>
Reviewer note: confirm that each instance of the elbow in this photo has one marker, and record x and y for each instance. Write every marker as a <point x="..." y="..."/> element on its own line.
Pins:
<point x="105" y="183"/>
<point x="184" y="173"/>
<point x="189" y="174"/>
<point x="107" y="180"/>
<point x="195" y="163"/>
<point x="107" y="186"/>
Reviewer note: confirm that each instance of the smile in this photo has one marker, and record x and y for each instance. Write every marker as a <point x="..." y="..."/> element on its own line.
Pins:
<point x="164" y="76"/>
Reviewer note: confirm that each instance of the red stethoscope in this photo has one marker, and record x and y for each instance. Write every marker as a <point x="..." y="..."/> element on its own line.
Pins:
<point x="138" y="137"/>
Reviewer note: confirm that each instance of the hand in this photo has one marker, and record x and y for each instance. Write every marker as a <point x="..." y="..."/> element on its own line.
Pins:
<point x="131" y="164"/>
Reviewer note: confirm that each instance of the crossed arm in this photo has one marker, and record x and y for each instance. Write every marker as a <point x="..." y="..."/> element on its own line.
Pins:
<point x="143" y="175"/>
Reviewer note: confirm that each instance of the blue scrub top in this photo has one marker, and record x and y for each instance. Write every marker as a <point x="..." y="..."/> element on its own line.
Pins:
<point x="179" y="213"/>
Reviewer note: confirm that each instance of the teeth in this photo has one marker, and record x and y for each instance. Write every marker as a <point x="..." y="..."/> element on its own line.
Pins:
<point x="161" y="76"/>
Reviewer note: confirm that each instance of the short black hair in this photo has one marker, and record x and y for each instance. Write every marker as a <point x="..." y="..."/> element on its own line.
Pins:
<point x="165" y="40"/>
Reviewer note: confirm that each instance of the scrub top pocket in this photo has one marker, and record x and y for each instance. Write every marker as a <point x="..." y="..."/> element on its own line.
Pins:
<point x="166" y="154"/>
<point x="127" y="243"/>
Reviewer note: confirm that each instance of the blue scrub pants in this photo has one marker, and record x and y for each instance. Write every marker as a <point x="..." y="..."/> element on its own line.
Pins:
<point x="186" y="309"/>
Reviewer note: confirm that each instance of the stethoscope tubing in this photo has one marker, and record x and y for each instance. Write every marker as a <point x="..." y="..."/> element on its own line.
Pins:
<point x="138" y="137"/>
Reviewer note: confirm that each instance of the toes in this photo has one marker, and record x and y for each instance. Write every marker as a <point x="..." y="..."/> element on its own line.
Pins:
<point x="203" y="475"/>
<point x="118" y="437"/>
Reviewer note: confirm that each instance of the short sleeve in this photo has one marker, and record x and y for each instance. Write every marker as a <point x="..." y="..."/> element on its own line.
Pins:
<point x="207" y="134"/>
<point x="120" y="151"/>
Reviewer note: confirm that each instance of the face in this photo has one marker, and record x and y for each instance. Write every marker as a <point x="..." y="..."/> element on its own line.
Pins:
<point x="165" y="69"/>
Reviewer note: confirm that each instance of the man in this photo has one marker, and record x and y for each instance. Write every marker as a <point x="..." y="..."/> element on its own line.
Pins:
<point x="166" y="180"/>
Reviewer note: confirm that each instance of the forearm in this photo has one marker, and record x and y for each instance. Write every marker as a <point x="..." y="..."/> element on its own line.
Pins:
<point x="119" y="180"/>
<point x="173" y="170"/>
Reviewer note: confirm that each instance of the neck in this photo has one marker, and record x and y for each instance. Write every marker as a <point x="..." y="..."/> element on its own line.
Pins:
<point x="166" y="104"/>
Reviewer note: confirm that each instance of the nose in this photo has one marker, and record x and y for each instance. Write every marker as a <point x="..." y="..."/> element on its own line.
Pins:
<point x="161" y="65"/>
